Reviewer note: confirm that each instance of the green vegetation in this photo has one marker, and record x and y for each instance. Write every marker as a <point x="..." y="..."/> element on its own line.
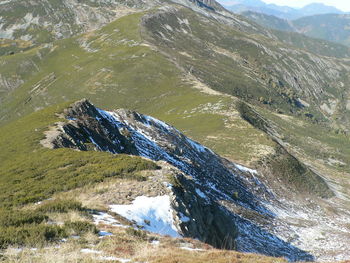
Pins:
<point x="80" y="227"/>
<point x="295" y="175"/>
<point x="60" y="206"/>
<point x="252" y="67"/>
<point x="33" y="235"/>
<point x="283" y="165"/>
<point x="136" y="233"/>
<point x="17" y="218"/>
<point x="29" y="227"/>
<point x="113" y="67"/>
<point x="31" y="173"/>
<point x="121" y="72"/>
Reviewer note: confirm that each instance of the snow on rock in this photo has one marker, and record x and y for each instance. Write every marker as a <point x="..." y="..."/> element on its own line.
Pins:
<point x="184" y="218"/>
<point x="201" y="194"/>
<point x="245" y="169"/>
<point x="196" y="145"/>
<point x="104" y="218"/>
<point x="154" y="214"/>
<point x="107" y="219"/>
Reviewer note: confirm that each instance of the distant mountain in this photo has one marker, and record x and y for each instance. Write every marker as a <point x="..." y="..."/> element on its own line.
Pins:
<point x="284" y="12"/>
<point x="318" y="8"/>
<point x="337" y="28"/>
<point x="332" y="27"/>
<point x="270" y="21"/>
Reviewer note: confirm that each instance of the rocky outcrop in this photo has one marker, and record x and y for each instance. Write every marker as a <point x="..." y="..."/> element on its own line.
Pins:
<point x="44" y="21"/>
<point x="214" y="200"/>
<point x="283" y="210"/>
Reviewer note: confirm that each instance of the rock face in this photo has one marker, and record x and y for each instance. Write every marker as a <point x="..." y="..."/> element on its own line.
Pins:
<point x="47" y="20"/>
<point x="214" y="200"/>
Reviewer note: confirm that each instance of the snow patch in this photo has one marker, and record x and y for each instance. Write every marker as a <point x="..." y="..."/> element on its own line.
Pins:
<point x="90" y="251"/>
<point x="155" y="242"/>
<point x="158" y="122"/>
<point x="154" y="214"/>
<point x="192" y="249"/>
<point x="6" y="2"/>
<point x="123" y="260"/>
<point x="104" y="218"/>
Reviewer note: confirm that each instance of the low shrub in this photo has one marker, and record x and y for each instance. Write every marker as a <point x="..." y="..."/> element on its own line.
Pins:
<point x="136" y="233"/>
<point x="60" y="206"/>
<point x="16" y="218"/>
<point x="34" y="235"/>
<point x="80" y="227"/>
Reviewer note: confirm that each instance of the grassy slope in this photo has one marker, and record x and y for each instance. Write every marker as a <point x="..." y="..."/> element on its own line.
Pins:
<point x="325" y="150"/>
<point x="124" y="73"/>
<point x="30" y="172"/>
<point x="269" y="21"/>
<point x="249" y="66"/>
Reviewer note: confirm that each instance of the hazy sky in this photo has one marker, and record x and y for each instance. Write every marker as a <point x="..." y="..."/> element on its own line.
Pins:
<point x="340" y="4"/>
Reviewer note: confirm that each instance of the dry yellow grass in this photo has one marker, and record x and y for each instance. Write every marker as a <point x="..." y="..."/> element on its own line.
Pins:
<point x="124" y="245"/>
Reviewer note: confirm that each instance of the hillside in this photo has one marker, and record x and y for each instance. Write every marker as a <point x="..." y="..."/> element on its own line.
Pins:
<point x="251" y="213"/>
<point x="247" y="96"/>
<point x="45" y="21"/>
<point x="270" y="21"/>
<point x="336" y="28"/>
<point x="329" y="27"/>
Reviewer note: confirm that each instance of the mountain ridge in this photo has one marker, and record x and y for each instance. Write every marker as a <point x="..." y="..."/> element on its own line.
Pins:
<point x="283" y="12"/>
<point x="272" y="101"/>
<point x="140" y="129"/>
<point x="335" y="30"/>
